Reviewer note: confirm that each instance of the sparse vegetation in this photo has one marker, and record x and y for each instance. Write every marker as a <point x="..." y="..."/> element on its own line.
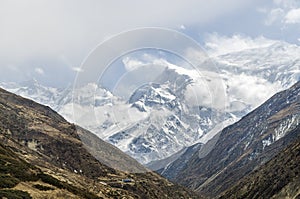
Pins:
<point x="42" y="187"/>
<point x="62" y="185"/>
<point x="14" y="170"/>
<point x="50" y="180"/>
<point x="7" y="181"/>
<point x="14" y="194"/>
<point x="273" y="179"/>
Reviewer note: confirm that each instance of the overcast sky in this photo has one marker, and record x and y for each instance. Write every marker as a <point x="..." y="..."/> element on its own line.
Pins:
<point x="48" y="40"/>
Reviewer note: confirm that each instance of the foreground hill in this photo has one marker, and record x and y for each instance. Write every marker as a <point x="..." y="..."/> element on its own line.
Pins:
<point x="44" y="156"/>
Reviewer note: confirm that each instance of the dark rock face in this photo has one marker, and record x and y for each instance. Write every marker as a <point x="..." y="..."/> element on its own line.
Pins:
<point x="244" y="146"/>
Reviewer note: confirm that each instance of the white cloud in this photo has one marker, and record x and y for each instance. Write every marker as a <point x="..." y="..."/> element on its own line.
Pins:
<point x="218" y="45"/>
<point x="250" y="89"/>
<point x="132" y="64"/>
<point x="293" y="16"/>
<point x="48" y="29"/>
<point x="39" y="71"/>
<point x="282" y="12"/>
<point x="274" y="15"/>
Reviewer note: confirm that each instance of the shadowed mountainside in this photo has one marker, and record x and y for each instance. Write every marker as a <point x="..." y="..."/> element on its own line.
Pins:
<point x="278" y="178"/>
<point x="242" y="148"/>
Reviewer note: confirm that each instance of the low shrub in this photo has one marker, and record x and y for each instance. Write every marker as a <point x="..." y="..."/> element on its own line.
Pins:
<point x="7" y="181"/>
<point x="42" y="187"/>
<point x="14" y="194"/>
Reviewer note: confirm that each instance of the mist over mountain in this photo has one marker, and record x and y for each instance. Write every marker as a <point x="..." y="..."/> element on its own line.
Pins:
<point x="162" y="118"/>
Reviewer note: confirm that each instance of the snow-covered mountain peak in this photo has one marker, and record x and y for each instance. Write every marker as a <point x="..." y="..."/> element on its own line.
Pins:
<point x="153" y="95"/>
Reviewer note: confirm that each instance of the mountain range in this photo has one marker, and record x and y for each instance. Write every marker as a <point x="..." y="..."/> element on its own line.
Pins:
<point x="159" y="119"/>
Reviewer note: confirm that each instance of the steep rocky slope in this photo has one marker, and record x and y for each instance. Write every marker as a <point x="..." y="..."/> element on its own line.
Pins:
<point x="278" y="178"/>
<point x="61" y="160"/>
<point x="244" y="146"/>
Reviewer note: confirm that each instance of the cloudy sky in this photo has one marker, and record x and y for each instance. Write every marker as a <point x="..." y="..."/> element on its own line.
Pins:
<point x="48" y="40"/>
